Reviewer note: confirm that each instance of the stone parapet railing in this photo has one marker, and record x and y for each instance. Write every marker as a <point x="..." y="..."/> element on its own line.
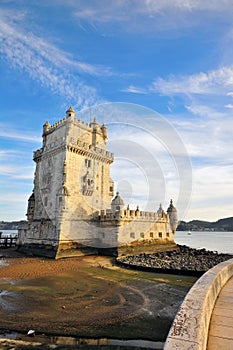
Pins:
<point x="191" y="325"/>
<point x="130" y="214"/>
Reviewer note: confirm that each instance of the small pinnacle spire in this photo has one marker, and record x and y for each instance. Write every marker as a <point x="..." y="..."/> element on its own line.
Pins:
<point x="70" y="109"/>
<point x="70" y="112"/>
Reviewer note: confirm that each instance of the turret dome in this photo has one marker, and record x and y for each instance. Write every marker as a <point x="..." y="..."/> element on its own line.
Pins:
<point x="117" y="203"/>
<point x="172" y="212"/>
<point x="70" y="112"/>
<point x="118" y="199"/>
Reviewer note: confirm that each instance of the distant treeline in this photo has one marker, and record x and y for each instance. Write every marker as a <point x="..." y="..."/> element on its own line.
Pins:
<point x="10" y="225"/>
<point x="198" y="225"/>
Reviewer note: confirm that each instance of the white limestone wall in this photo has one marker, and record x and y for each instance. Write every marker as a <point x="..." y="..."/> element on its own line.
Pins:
<point x="89" y="234"/>
<point x="144" y="229"/>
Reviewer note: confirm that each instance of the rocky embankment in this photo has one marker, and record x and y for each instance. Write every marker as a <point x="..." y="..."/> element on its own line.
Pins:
<point x="182" y="260"/>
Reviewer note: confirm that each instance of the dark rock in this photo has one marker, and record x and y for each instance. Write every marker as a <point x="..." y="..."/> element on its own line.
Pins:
<point x="182" y="259"/>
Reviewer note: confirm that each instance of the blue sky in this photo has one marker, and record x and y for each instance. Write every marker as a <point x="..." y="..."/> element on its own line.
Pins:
<point x="172" y="57"/>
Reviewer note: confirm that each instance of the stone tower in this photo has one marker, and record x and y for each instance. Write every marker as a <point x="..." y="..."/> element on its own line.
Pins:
<point x="71" y="211"/>
<point x="72" y="181"/>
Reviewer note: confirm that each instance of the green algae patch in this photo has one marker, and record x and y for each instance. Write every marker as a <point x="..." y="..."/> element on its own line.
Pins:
<point x="138" y="248"/>
<point x="91" y="297"/>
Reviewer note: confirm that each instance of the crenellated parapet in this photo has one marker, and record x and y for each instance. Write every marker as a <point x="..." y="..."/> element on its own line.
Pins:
<point x="62" y="136"/>
<point x="129" y="214"/>
<point x="48" y="150"/>
<point x="93" y="127"/>
<point x="90" y="151"/>
<point x="37" y="154"/>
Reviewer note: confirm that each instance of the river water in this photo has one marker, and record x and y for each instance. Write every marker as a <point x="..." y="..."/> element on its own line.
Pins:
<point x="222" y="242"/>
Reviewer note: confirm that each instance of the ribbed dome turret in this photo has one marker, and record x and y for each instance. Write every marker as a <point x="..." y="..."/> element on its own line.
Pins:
<point x="160" y="211"/>
<point x="172" y="212"/>
<point x="117" y="203"/>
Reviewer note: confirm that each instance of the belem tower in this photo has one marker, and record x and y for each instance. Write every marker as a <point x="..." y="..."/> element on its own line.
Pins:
<point x="71" y="210"/>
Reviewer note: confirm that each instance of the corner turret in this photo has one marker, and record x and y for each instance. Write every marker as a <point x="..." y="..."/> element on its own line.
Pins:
<point x="117" y="203"/>
<point x="160" y="211"/>
<point x="105" y="132"/>
<point x="97" y="137"/>
<point x="70" y="113"/>
<point x="46" y="127"/>
<point x="172" y="212"/>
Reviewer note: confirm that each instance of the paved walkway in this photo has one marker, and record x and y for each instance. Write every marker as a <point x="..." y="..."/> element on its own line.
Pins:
<point x="221" y="324"/>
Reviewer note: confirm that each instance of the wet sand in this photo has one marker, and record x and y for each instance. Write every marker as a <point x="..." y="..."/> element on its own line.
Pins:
<point x="87" y="297"/>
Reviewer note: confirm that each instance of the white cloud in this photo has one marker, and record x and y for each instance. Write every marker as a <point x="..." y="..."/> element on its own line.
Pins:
<point x="18" y="135"/>
<point x="135" y="90"/>
<point x="14" y="198"/>
<point x="189" y="5"/>
<point x="212" y="192"/>
<point x="229" y="105"/>
<point x="219" y="81"/>
<point x="207" y="137"/>
<point x="15" y="164"/>
<point x="204" y="111"/>
<point x="146" y="15"/>
<point x="45" y="63"/>
<point x="17" y="172"/>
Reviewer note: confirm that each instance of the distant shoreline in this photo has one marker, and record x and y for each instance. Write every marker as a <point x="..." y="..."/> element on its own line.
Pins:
<point x="224" y="225"/>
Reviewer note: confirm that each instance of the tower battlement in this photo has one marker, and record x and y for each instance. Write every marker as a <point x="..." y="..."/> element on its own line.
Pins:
<point x="129" y="214"/>
<point x="72" y="204"/>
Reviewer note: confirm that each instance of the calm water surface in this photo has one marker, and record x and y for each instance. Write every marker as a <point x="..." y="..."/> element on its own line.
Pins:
<point x="222" y="242"/>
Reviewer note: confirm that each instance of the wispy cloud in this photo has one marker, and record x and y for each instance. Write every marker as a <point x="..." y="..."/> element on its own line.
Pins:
<point x="45" y="63"/>
<point x="219" y="81"/>
<point x="17" y="172"/>
<point x="209" y="140"/>
<point x="135" y="90"/>
<point x="214" y="82"/>
<point x="189" y="5"/>
<point x="147" y="15"/>
<point x="229" y="105"/>
<point x="8" y="132"/>
<point x="15" y="165"/>
<point x="212" y="189"/>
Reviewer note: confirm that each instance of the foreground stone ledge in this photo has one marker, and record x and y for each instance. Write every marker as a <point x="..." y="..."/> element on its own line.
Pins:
<point x="191" y="325"/>
<point x="11" y="344"/>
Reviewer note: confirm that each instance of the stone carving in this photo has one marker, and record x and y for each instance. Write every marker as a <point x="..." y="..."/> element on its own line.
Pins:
<point x="71" y="205"/>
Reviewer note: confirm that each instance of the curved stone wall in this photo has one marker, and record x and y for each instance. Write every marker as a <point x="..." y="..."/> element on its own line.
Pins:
<point x="191" y="325"/>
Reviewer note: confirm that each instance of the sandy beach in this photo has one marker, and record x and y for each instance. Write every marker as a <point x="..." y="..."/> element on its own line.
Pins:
<point x="87" y="297"/>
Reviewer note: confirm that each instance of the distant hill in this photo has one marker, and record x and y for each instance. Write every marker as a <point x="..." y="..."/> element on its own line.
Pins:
<point x="198" y="225"/>
<point x="194" y="225"/>
<point x="10" y="225"/>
